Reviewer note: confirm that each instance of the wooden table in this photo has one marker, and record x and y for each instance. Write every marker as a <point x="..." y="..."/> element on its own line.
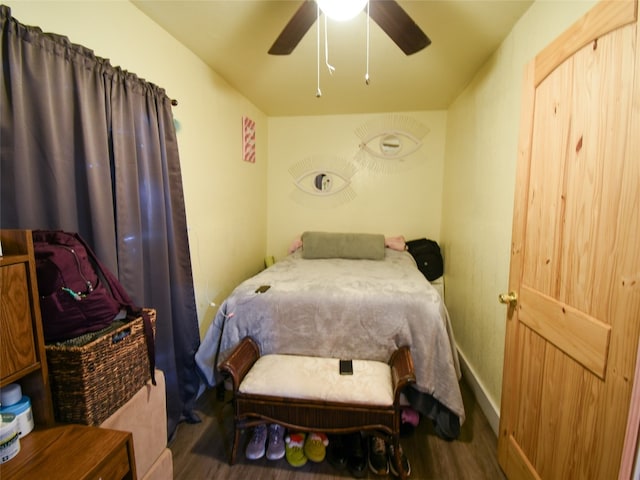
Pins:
<point x="73" y="452"/>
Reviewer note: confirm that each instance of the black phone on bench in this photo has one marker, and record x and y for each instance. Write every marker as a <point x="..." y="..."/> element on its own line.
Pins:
<point x="346" y="367"/>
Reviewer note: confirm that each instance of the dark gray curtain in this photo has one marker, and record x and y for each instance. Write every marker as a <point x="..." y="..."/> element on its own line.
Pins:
<point x="90" y="148"/>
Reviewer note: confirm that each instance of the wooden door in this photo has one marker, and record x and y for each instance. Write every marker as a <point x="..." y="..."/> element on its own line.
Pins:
<point x="572" y="334"/>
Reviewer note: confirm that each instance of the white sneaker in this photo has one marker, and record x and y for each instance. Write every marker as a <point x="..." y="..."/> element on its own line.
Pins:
<point x="275" y="445"/>
<point x="256" y="446"/>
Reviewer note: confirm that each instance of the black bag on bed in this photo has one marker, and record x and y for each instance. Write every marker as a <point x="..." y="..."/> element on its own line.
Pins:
<point x="427" y="256"/>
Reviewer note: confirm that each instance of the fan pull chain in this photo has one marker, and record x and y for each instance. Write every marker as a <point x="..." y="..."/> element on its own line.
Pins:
<point x="318" y="92"/>
<point x="330" y="67"/>
<point x="366" y="75"/>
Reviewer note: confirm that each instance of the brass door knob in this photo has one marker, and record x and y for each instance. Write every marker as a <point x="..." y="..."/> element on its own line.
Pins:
<point x="510" y="298"/>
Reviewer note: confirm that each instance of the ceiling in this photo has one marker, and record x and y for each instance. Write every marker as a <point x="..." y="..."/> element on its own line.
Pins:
<point x="233" y="36"/>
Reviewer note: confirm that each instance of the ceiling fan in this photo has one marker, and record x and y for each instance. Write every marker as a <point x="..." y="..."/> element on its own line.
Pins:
<point x="390" y="16"/>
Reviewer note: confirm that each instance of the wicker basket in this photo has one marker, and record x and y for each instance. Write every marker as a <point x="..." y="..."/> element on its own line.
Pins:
<point x="90" y="382"/>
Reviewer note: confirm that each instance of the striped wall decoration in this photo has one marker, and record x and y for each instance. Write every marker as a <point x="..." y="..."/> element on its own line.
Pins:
<point x="248" y="140"/>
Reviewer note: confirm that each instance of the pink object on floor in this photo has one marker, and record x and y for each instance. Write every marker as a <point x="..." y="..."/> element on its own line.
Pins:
<point x="410" y="416"/>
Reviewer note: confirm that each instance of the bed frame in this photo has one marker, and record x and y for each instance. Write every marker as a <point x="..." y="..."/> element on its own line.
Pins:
<point x="315" y="415"/>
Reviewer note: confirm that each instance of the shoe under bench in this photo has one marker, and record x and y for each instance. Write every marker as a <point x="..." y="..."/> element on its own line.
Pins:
<point x="310" y="394"/>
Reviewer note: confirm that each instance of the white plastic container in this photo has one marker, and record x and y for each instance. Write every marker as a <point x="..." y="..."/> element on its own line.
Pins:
<point x="23" y="413"/>
<point x="9" y="438"/>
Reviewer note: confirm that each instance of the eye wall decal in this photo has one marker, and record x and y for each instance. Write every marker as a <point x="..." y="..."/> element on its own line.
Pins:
<point x="390" y="143"/>
<point x="322" y="181"/>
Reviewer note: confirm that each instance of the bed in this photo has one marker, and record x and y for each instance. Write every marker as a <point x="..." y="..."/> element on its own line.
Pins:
<point x="334" y="305"/>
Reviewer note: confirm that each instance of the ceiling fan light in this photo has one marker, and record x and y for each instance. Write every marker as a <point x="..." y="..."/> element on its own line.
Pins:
<point x="341" y="10"/>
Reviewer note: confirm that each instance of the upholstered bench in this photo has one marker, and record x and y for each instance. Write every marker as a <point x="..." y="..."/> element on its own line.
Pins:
<point x="309" y="393"/>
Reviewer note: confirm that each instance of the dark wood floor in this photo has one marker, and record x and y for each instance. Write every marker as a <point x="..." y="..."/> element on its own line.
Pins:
<point x="201" y="451"/>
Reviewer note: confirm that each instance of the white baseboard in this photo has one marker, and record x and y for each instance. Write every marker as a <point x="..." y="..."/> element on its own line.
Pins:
<point x="490" y="410"/>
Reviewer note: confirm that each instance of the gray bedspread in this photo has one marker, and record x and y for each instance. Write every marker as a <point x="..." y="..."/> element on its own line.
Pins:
<point x="342" y="308"/>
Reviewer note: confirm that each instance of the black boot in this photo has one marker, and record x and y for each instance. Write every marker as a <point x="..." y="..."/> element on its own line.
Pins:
<point x="356" y="455"/>
<point x="337" y="452"/>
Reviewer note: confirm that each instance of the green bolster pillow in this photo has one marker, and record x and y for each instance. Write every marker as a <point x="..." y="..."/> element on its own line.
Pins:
<point x="342" y="245"/>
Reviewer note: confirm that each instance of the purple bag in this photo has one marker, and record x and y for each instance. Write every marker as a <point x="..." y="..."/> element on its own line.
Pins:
<point x="78" y="294"/>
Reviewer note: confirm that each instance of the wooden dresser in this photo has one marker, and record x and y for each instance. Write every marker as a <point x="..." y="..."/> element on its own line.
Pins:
<point x="73" y="452"/>
<point x="50" y="451"/>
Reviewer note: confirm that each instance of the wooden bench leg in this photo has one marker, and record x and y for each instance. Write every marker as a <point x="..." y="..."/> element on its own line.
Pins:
<point x="398" y="458"/>
<point x="234" y="448"/>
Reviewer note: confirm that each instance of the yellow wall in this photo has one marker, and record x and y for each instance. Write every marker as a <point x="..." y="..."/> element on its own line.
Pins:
<point x="225" y="197"/>
<point x="479" y="177"/>
<point x="407" y="202"/>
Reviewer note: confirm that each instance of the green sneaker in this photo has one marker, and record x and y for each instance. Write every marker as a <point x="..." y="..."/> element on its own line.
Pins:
<point x="315" y="447"/>
<point x="294" y="449"/>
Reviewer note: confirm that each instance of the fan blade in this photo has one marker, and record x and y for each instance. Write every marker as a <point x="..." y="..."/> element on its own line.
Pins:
<point x="293" y="32"/>
<point x="398" y="25"/>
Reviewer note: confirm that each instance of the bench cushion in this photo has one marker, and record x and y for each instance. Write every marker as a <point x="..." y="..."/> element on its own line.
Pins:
<point x="314" y="378"/>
